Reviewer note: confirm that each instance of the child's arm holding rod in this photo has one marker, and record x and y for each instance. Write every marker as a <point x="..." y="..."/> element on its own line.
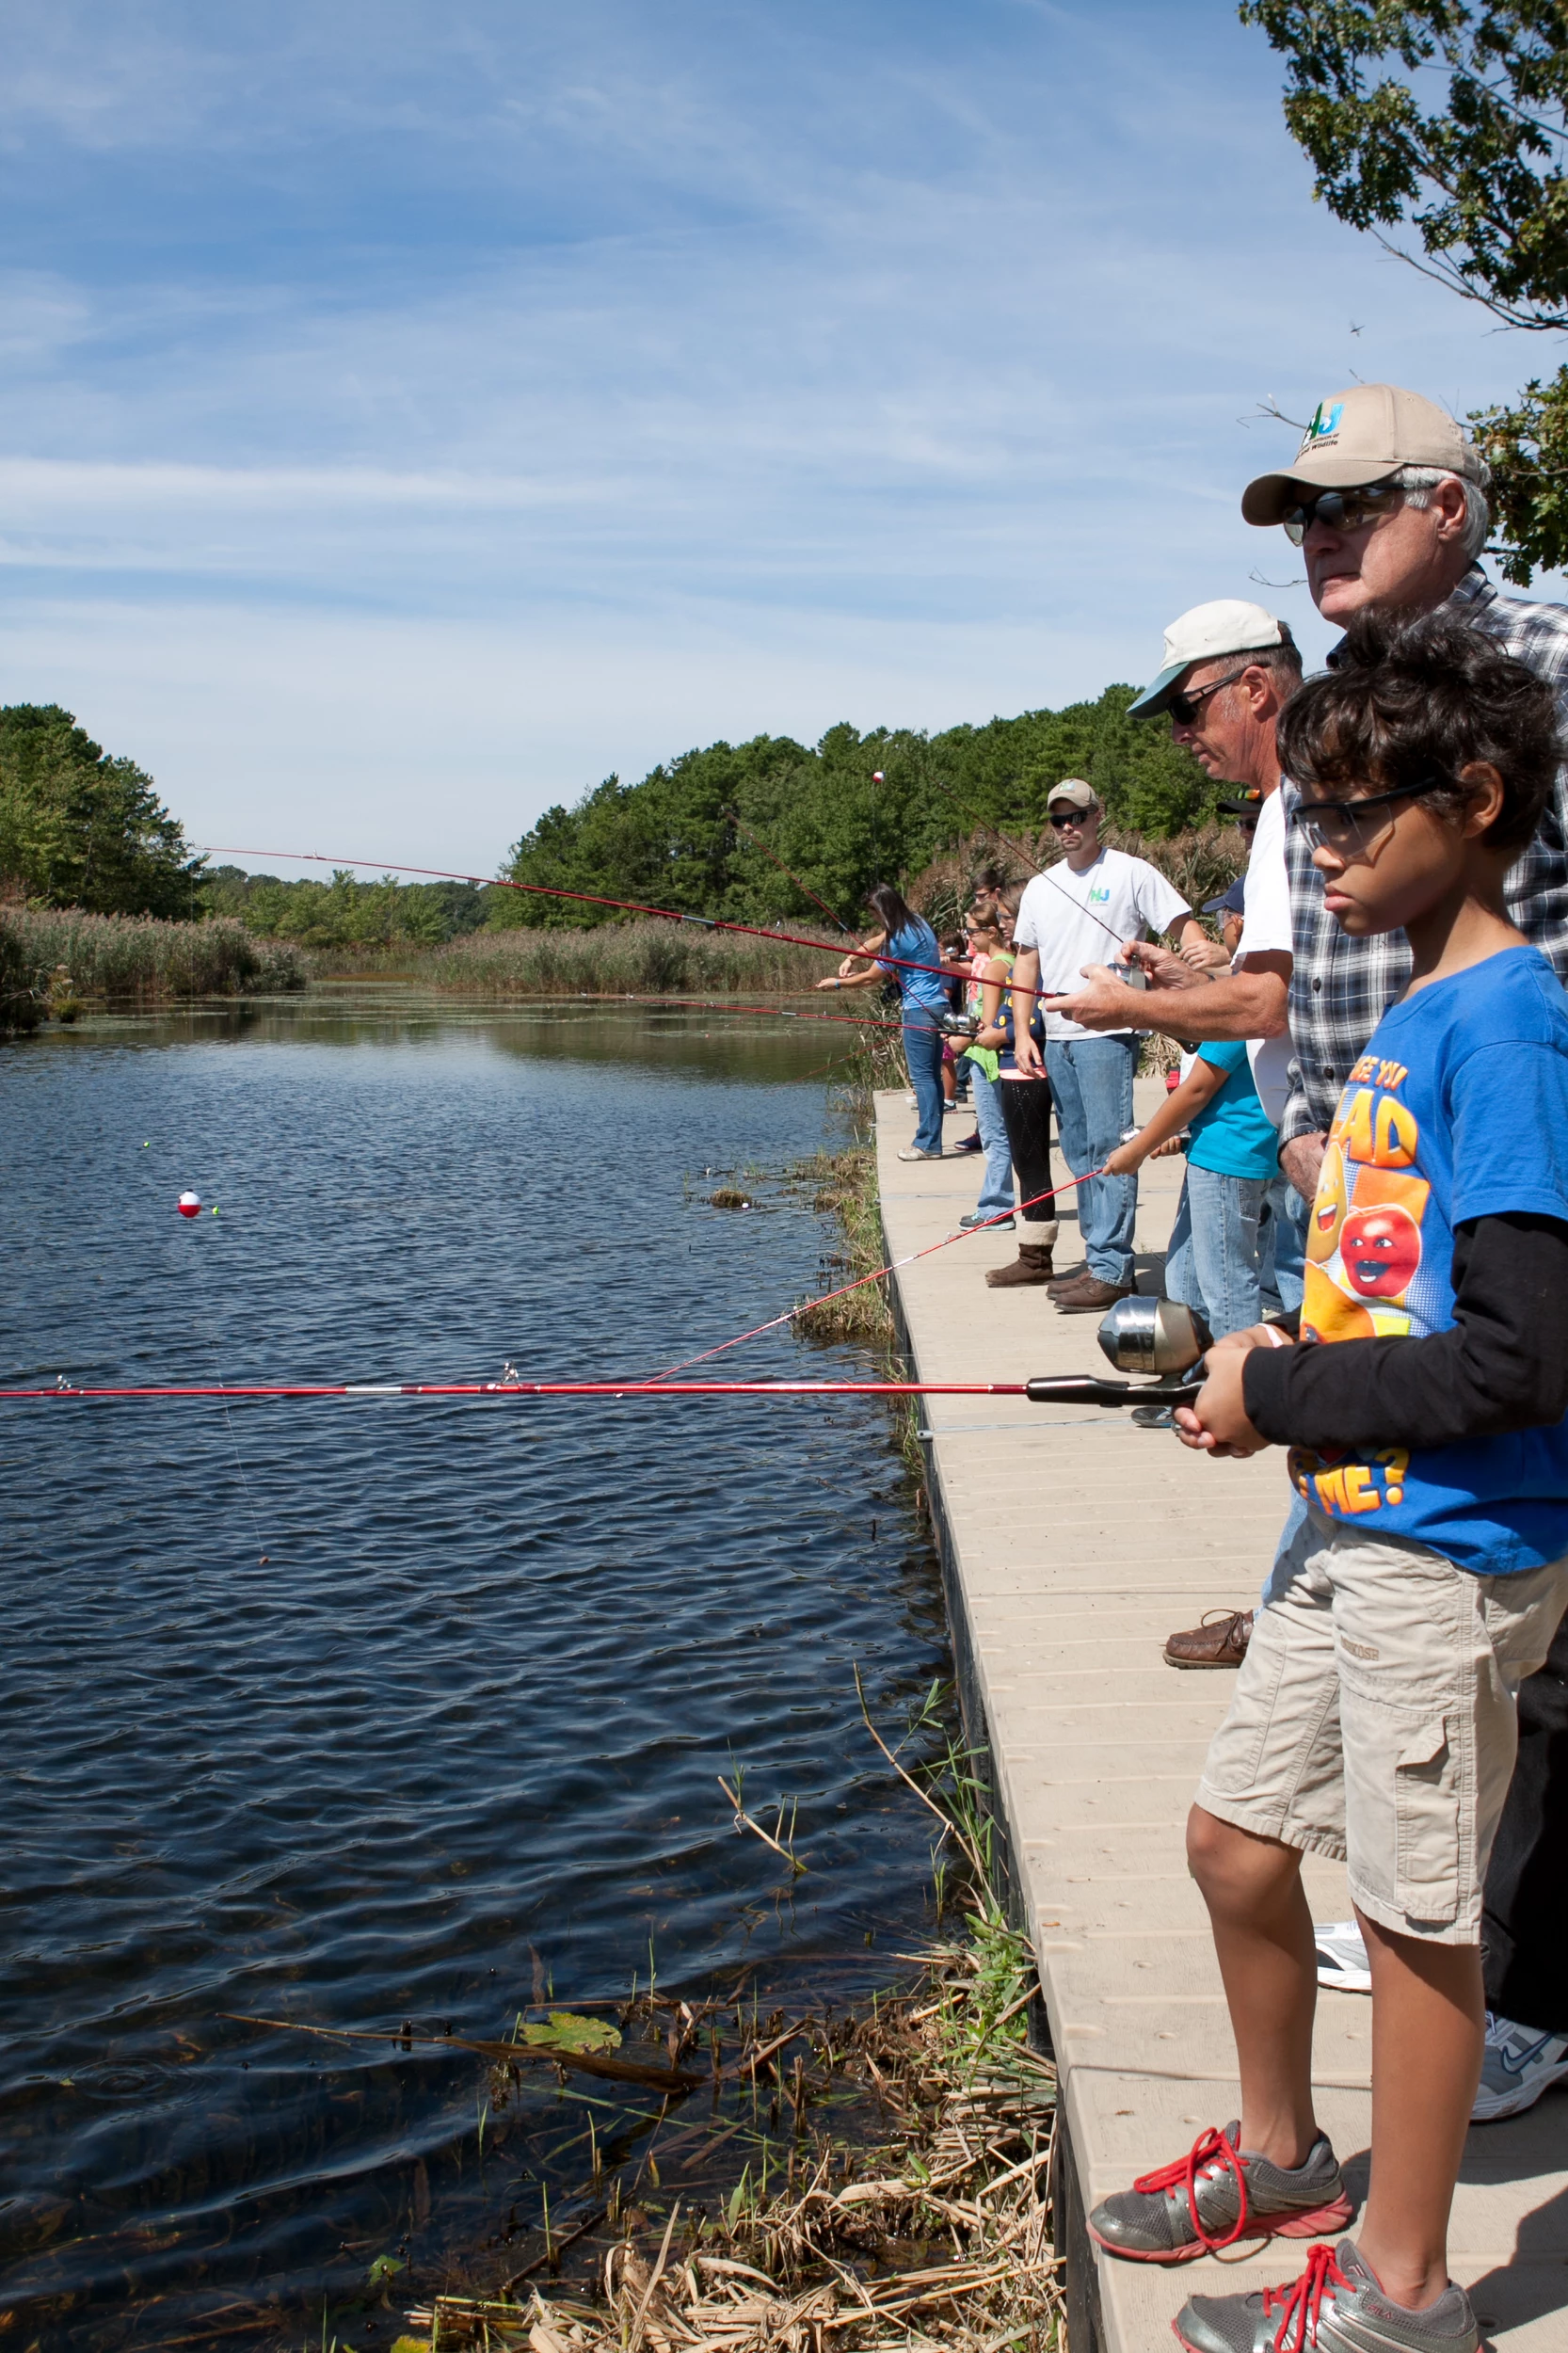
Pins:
<point x="1200" y="1086"/>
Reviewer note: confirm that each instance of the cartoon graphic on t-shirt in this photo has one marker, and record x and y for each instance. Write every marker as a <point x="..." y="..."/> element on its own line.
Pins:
<point x="1380" y="1250"/>
<point x="1328" y="1210"/>
<point x="1364" y="1260"/>
<point x="1364" y="1245"/>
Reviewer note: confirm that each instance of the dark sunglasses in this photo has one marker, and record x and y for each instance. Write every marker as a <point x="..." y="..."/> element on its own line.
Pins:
<point x="1342" y="510"/>
<point x="1184" y="708"/>
<point x="1338" y="826"/>
<point x="1073" y="817"/>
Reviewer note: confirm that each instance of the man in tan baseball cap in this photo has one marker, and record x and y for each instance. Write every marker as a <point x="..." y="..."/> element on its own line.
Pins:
<point x="1386" y="500"/>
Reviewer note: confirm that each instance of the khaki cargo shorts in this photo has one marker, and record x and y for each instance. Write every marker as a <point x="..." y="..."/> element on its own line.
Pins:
<point x="1374" y="1719"/>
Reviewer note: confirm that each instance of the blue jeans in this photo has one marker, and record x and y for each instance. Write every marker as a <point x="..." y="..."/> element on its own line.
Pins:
<point x="996" y="1194"/>
<point x="1091" y="1079"/>
<point x="1281" y="1247"/>
<point x="1212" y="1262"/>
<point x="922" y="1050"/>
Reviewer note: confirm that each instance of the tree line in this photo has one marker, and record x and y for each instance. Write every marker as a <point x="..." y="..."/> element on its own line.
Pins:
<point x="82" y="827"/>
<point x="696" y="833"/>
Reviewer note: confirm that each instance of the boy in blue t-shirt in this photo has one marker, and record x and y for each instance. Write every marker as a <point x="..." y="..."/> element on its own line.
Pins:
<point x="1423" y="1400"/>
<point x="1212" y="1262"/>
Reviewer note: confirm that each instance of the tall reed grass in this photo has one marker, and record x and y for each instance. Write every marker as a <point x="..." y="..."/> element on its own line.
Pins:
<point x="622" y="960"/>
<point x="20" y="1009"/>
<point x="139" y="960"/>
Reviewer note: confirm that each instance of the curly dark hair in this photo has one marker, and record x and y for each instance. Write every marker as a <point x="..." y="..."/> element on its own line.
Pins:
<point x="1410" y="700"/>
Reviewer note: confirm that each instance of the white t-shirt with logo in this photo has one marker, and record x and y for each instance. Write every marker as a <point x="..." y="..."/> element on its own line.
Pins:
<point x="1265" y="930"/>
<point x="1074" y="920"/>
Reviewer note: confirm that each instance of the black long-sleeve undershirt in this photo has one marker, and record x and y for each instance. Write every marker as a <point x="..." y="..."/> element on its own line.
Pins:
<point x="1502" y="1365"/>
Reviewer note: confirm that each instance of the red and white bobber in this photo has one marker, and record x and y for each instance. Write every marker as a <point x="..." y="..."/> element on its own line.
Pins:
<point x="189" y="1204"/>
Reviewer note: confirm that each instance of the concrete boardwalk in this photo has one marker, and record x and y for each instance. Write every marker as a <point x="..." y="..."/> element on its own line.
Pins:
<point x="1072" y="1545"/>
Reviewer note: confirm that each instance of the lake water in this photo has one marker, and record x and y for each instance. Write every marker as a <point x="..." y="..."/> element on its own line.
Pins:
<point x="453" y="1746"/>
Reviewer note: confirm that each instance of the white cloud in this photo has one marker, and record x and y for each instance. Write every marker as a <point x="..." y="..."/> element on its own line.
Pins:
<point x="566" y="390"/>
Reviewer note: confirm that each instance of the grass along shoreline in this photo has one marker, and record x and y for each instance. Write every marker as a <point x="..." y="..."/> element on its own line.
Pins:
<point x="60" y="959"/>
<point x="932" y="2229"/>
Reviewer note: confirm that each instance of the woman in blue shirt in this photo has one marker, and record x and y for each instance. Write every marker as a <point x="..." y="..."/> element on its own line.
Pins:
<point x="923" y="995"/>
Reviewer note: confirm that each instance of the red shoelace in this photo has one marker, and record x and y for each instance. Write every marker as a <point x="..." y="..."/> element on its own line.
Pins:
<point x="1186" y="2170"/>
<point x="1300" y="2301"/>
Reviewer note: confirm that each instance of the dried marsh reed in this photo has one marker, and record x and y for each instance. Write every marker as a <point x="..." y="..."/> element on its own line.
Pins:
<point x="938" y="2235"/>
<point x="624" y="959"/>
<point x="933" y="2231"/>
<point x="141" y="960"/>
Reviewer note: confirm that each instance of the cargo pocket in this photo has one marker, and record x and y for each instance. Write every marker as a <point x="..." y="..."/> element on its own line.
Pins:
<point x="1426" y="1809"/>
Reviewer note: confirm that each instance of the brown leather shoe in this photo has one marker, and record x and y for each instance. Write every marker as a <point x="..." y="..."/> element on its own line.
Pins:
<point x="1073" y="1278"/>
<point x="1032" y="1265"/>
<point x="1219" y="1641"/>
<point x="1091" y="1297"/>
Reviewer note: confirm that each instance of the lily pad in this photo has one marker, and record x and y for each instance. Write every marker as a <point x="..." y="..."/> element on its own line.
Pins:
<point x="565" y="2033"/>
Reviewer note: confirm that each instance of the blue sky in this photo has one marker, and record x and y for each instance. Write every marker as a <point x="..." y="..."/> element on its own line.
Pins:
<point x="410" y="413"/>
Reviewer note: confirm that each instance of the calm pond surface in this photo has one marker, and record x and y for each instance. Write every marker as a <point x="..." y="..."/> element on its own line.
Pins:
<point x="451" y="1748"/>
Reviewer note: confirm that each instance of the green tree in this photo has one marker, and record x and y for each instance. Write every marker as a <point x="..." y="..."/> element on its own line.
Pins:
<point x="80" y="828"/>
<point x="1465" y="142"/>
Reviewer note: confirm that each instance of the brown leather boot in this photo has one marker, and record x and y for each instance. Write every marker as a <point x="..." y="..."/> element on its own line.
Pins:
<point x="1073" y="1278"/>
<point x="1219" y="1641"/>
<point x="1032" y="1265"/>
<point x="1091" y="1297"/>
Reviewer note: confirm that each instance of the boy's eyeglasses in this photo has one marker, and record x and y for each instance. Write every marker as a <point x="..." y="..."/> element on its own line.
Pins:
<point x="1342" y="510"/>
<point x="1341" y="826"/>
<point x="1184" y="708"/>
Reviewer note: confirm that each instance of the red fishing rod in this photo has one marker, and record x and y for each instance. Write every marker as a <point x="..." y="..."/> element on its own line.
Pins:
<point x="1042" y="1389"/>
<point x="593" y="899"/>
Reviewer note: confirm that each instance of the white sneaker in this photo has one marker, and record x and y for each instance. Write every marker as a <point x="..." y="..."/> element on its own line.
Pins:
<point x="911" y="1102"/>
<point x="1517" y="2066"/>
<point x="1342" y="1962"/>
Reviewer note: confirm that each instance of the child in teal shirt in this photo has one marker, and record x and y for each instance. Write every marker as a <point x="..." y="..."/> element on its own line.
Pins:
<point x="1232" y="1155"/>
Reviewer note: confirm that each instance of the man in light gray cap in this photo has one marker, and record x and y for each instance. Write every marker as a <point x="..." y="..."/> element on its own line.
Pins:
<point x="1229" y="670"/>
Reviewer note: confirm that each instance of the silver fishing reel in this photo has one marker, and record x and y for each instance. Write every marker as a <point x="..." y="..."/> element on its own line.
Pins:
<point x="1157" y="1335"/>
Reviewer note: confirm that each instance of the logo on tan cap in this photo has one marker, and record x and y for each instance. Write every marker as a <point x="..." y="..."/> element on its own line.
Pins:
<point x="1075" y="793"/>
<point x="1362" y="436"/>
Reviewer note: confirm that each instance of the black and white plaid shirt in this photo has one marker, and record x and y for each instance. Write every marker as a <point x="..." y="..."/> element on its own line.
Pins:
<point x="1340" y="987"/>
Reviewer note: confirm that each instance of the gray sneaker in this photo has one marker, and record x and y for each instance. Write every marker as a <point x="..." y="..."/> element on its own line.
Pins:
<point x="1217" y="2195"/>
<point x="1518" y="2064"/>
<point x="1334" y="2306"/>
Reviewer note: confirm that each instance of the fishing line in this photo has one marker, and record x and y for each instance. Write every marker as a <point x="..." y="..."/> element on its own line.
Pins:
<point x="970" y="817"/>
<point x="662" y="1386"/>
<point x="776" y="1012"/>
<point x="205" y="1332"/>
<point x="893" y="1264"/>
<point x="785" y="870"/>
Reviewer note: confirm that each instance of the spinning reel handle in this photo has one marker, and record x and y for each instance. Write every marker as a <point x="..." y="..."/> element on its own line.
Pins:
<point x="1088" y="1388"/>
